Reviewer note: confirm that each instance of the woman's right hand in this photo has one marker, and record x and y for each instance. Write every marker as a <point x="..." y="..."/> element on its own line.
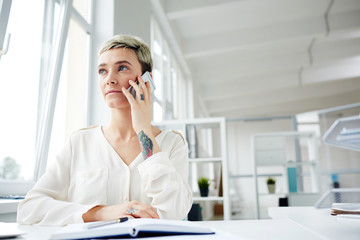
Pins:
<point x="133" y="209"/>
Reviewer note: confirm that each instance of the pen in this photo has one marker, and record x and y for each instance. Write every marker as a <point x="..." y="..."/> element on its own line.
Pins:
<point x="103" y="223"/>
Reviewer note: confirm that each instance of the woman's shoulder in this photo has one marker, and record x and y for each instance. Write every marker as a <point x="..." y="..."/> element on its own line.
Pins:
<point x="172" y="136"/>
<point x="91" y="130"/>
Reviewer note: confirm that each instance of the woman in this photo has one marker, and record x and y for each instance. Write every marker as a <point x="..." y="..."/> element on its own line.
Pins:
<point x="127" y="168"/>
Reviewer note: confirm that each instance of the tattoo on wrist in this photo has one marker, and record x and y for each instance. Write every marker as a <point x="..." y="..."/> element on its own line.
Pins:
<point x="131" y="210"/>
<point x="146" y="145"/>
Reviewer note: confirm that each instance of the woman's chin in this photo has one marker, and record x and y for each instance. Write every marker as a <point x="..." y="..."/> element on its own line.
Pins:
<point x="118" y="104"/>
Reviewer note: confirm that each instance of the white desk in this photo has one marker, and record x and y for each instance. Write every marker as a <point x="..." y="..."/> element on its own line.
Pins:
<point x="319" y="222"/>
<point x="280" y="229"/>
<point x="287" y="223"/>
<point x="241" y="229"/>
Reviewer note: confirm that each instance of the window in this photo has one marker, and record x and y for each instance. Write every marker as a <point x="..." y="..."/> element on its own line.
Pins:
<point x="308" y="122"/>
<point x="167" y="77"/>
<point x="45" y="92"/>
<point x="19" y="74"/>
<point x="70" y="111"/>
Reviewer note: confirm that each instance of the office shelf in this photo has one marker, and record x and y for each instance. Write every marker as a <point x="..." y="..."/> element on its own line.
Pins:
<point x="205" y="159"/>
<point x="292" y="159"/>
<point x="273" y="194"/>
<point x="210" y="198"/>
<point x="207" y="156"/>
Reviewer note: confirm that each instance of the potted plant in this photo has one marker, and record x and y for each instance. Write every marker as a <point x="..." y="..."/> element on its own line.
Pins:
<point x="204" y="186"/>
<point x="271" y="184"/>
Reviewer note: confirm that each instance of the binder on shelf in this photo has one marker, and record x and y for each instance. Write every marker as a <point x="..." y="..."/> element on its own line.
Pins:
<point x="292" y="179"/>
<point x="191" y="138"/>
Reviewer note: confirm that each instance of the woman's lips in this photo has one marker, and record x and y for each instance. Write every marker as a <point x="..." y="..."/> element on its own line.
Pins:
<point x="113" y="92"/>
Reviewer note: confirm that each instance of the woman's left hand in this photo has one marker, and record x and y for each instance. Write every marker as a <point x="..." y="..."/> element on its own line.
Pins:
<point x="141" y="107"/>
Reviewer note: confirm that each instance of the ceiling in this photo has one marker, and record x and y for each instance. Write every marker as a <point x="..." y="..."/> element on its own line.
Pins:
<point x="258" y="58"/>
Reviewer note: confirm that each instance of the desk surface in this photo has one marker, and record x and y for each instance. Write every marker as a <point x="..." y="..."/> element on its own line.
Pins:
<point x="239" y="229"/>
<point x="319" y="222"/>
<point x="280" y="229"/>
<point x="287" y="223"/>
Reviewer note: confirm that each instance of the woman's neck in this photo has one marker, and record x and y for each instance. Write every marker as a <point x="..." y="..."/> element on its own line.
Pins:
<point x="121" y="124"/>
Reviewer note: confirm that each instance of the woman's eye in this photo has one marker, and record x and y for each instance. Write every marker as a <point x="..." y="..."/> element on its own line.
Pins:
<point x="122" y="68"/>
<point x="101" y="71"/>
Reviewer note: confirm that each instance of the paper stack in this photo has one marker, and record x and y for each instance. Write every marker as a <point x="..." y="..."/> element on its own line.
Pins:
<point x="346" y="209"/>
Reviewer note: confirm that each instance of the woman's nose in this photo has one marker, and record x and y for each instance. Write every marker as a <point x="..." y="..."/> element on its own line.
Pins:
<point x="111" y="79"/>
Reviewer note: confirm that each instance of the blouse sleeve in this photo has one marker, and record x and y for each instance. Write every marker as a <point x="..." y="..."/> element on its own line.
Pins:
<point x="46" y="203"/>
<point x="165" y="180"/>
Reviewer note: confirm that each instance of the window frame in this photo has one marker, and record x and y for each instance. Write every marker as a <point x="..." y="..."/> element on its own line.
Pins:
<point x="5" y="8"/>
<point x="172" y="78"/>
<point x="48" y="82"/>
<point x="67" y="11"/>
<point x="49" y="93"/>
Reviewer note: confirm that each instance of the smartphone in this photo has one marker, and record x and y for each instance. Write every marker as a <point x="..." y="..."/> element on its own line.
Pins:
<point x="147" y="78"/>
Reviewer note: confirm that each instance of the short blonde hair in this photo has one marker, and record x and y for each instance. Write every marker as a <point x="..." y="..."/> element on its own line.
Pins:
<point x="136" y="44"/>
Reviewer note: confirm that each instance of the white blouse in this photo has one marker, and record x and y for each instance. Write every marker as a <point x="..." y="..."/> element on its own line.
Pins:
<point x="89" y="172"/>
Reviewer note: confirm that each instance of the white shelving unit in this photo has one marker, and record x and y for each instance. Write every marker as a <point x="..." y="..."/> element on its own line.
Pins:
<point x="209" y="150"/>
<point x="292" y="159"/>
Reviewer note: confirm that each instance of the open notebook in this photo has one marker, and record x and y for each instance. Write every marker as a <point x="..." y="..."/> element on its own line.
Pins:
<point x="133" y="228"/>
